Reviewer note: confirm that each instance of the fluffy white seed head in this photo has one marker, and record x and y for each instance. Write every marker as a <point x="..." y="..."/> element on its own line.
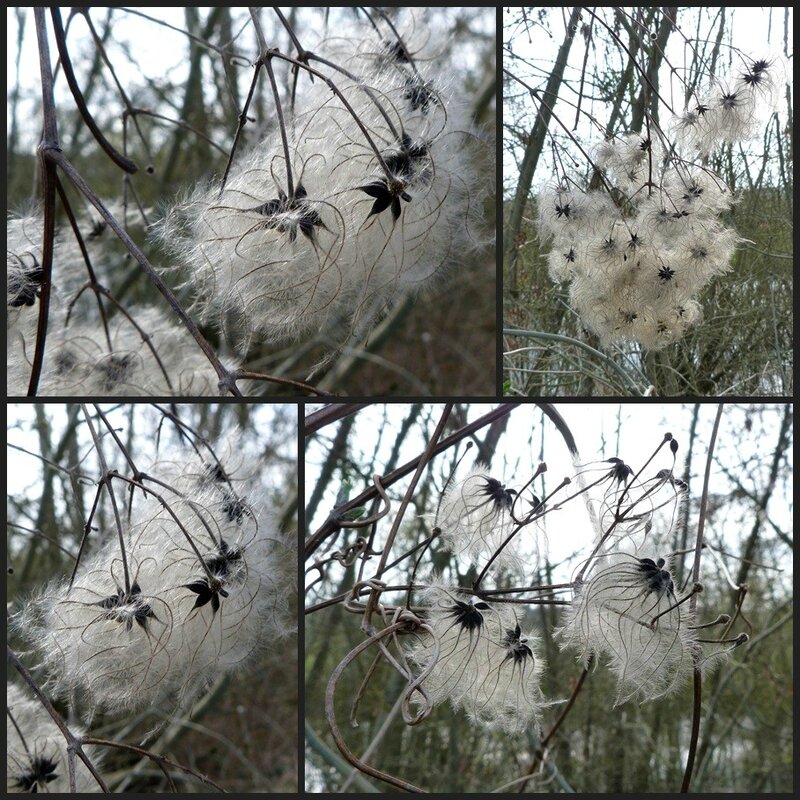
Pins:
<point x="636" y="269"/>
<point x="150" y="353"/>
<point x="384" y="197"/>
<point x="475" y="519"/>
<point x="479" y="660"/>
<point x="23" y="264"/>
<point x="625" y="612"/>
<point x="157" y="358"/>
<point x="206" y="591"/>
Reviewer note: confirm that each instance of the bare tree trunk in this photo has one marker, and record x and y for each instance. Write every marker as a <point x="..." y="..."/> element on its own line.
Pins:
<point x="534" y="149"/>
<point x="648" y="99"/>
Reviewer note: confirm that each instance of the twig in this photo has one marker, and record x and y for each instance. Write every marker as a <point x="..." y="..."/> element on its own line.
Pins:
<point x="74" y="745"/>
<point x="331" y="526"/>
<point x="698" y="675"/>
<point x="227" y="381"/>
<point x="421" y="464"/>
<point x="157" y="759"/>
<point x="328" y="415"/>
<point x="49" y="141"/>
<point x="105" y="480"/>
<point x="539" y="754"/>
<point x="61" y="42"/>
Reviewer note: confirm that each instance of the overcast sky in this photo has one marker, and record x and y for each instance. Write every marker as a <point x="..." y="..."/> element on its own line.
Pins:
<point x="758" y="32"/>
<point x="140" y="47"/>
<point x="631" y="431"/>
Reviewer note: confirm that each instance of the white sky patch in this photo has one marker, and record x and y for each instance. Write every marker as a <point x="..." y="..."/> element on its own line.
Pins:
<point x="630" y="431"/>
<point x="142" y="49"/>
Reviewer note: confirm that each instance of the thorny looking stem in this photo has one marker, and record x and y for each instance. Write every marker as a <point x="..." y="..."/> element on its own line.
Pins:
<point x="86" y="529"/>
<point x="281" y="126"/>
<point x="98" y="42"/>
<point x="113" y="433"/>
<point x="698" y="676"/>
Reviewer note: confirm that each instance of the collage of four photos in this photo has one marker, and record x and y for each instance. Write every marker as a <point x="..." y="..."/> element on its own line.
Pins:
<point x="399" y="400"/>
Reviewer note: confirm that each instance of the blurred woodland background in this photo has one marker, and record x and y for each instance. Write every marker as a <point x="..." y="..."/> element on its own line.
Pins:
<point x="243" y="732"/>
<point x="743" y="346"/>
<point x="167" y="87"/>
<point x="746" y="740"/>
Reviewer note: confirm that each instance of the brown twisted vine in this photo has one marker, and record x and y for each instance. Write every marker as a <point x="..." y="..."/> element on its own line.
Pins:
<point x="330" y="713"/>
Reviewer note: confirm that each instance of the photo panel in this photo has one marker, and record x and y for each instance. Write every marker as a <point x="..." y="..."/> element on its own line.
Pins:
<point x="151" y="595"/>
<point x="253" y="202"/>
<point x="647" y="202"/>
<point x="544" y="597"/>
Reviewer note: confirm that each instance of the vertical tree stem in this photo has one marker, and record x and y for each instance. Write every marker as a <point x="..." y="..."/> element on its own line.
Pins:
<point x="698" y="676"/>
<point x="534" y="148"/>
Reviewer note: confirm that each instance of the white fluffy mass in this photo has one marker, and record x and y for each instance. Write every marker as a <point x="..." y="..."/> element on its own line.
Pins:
<point x="377" y="199"/>
<point x="479" y="659"/>
<point x="207" y="590"/>
<point x="36" y="750"/>
<point x="638" y="251"/>
<point x="475" y="519"/>
<point x="145" y="351"/>
<point x="626" y="612"/>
